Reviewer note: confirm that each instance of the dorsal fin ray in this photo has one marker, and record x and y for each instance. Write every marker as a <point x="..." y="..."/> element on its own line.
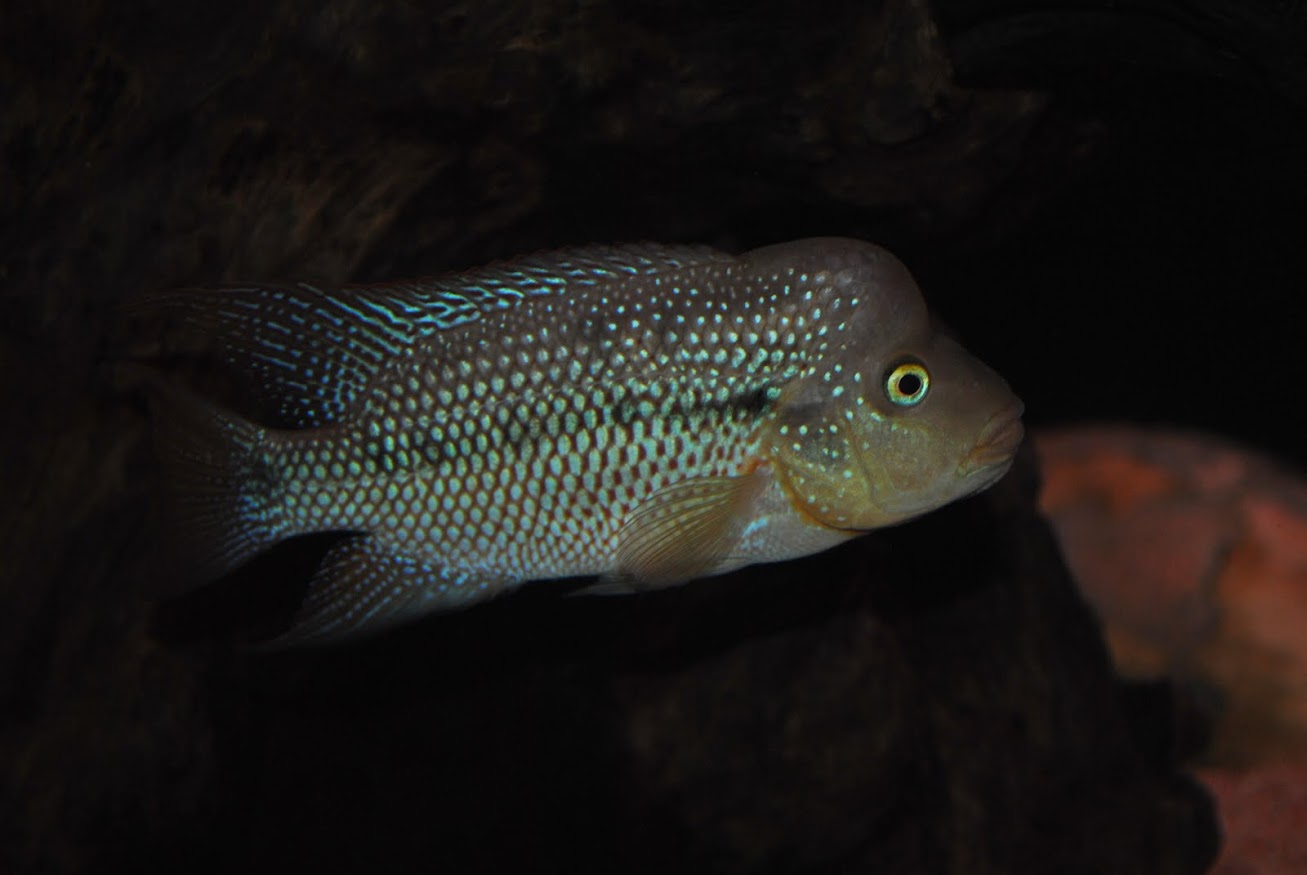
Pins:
<point x="309" y="352"/>
<point x="304" y="351"/>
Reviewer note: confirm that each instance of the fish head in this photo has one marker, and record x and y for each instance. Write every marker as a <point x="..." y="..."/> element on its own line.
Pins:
<point x="896" y="419"/>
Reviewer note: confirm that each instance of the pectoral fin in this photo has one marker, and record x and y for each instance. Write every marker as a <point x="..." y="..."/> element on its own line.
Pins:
<point x="686" y="530"/>
<point x="362" y="588"/>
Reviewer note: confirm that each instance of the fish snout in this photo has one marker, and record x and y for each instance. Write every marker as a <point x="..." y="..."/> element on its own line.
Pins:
<point x="998" y="440"/>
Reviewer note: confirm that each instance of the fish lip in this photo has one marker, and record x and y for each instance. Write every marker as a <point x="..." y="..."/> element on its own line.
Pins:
<point x="998" y="440"/>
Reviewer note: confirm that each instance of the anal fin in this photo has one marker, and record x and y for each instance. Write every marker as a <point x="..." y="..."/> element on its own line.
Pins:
<point x="686" y="530"/>
<point x="362" y="588"/>
<point x="605" y="587"/>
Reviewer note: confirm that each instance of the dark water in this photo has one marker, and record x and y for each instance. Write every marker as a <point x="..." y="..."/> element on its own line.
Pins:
<point x="937" y="701"/>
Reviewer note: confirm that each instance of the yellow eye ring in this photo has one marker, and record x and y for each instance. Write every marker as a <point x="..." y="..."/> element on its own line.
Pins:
<point x="906" y="384"/>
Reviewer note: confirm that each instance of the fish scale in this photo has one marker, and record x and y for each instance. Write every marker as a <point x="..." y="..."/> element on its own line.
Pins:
<point x="647" y="413"/>
<point x="462" y="432"/>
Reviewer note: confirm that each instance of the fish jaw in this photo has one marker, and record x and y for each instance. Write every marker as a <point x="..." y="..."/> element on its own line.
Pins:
<point x="995" y="450"/>
<point x="998" y="441"/>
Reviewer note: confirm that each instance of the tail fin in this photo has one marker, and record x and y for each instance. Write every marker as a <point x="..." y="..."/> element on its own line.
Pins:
<point x="216" y="482"/>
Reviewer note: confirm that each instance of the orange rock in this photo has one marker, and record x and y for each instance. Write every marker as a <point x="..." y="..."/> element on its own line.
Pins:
<point x="1194" y="553"/>
<point x="1265" y="819"/>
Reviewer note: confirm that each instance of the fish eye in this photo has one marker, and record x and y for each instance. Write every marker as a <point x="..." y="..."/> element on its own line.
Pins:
<point x="906" y="384"/>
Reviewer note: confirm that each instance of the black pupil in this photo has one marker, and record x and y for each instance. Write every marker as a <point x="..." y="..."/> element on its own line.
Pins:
<point x="909" y="385"/>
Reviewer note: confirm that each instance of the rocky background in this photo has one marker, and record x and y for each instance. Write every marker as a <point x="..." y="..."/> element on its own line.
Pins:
<point x="1105" y="203"/>
<point x="1193" y="552"/>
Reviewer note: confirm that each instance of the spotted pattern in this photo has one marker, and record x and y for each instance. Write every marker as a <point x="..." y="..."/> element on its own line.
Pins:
<point x="314" y="350"/>
<point x="515" y="446"/>
<point x="645" y="412"/>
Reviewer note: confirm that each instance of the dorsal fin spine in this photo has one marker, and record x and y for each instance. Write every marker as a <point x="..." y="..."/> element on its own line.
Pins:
<point x="314" y="351"/>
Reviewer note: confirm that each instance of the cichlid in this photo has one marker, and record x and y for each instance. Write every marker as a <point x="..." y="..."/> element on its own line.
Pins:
<point x="649" y="414"/>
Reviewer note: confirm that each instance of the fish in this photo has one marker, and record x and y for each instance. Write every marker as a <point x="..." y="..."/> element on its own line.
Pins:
<point x="643" y="414"/>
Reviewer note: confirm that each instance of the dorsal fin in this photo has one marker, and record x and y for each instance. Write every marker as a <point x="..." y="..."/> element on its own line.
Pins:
<point x="306" y="351"/>
<point x="310" y="352"/>
<point x="554" y="272"/>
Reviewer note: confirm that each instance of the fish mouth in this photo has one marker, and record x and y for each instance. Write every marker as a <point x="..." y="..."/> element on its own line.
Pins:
<point x="998" y="440"/>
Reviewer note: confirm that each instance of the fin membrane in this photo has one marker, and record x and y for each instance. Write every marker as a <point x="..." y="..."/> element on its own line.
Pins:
<point x="310" y="352"/>
<point x="215" y="484"/>
<point x="362" y="588"/>
<point x="606" y="587"/>
<point x="686" y="530"/>
<point x="562" y="270"/>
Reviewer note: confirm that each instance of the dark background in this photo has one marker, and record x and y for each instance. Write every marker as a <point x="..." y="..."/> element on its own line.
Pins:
<point x="1105" y="202"/>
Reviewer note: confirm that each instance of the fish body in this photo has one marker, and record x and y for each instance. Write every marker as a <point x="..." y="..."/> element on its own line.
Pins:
<point x="647" y="414"/>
